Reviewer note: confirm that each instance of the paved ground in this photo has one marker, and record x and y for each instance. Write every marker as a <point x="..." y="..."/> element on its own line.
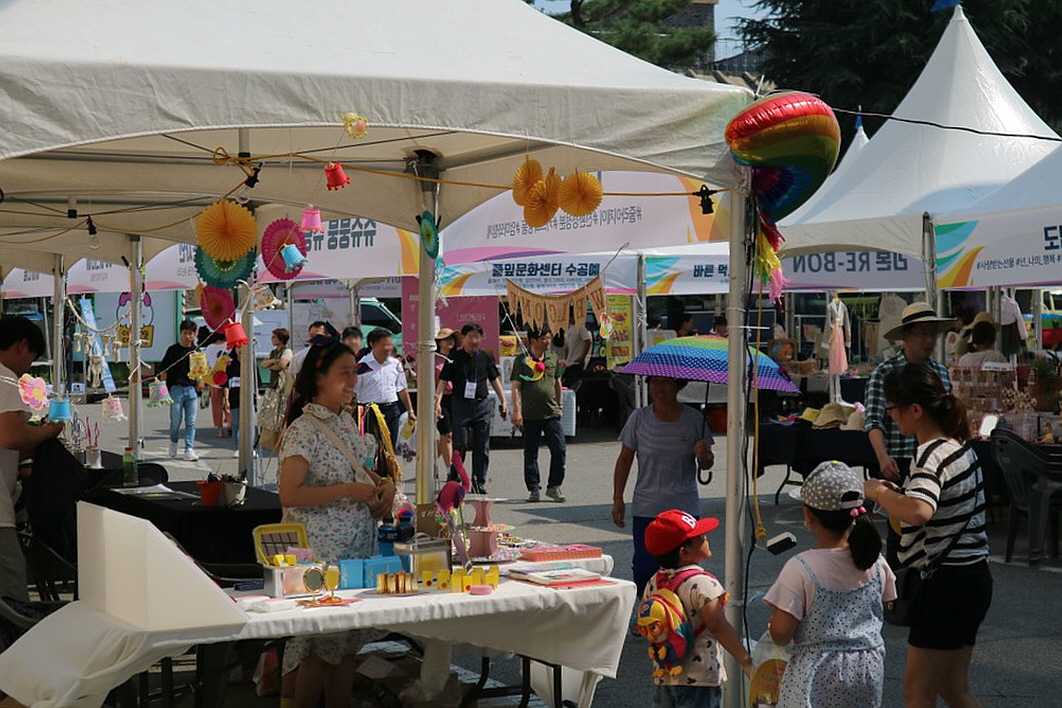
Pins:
<point x="1017" y="660"/>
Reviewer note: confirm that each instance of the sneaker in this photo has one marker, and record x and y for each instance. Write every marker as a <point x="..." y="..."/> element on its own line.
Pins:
<point x="533" y="496"/>
<point x="555" y="494"/>
<point x="479" y="487"/>
<point x="235" y="453"/>
<point x="173" y="449"/>
<point x="190" y="456"/>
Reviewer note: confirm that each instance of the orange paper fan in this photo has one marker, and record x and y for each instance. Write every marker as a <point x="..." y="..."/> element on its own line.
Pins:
<point x="580" y="194"/>
<point x="529" y="173"/>
<point x="541" y="204"/>
<point x="226" y="230"/>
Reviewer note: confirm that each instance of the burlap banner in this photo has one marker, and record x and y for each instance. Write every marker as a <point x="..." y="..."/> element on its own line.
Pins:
<point x="538" y="310"/>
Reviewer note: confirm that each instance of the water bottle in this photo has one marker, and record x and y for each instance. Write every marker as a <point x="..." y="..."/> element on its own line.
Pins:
<point x="406" y="530"/>
<point x="130" y="475"/>
<point x="388" y="534"/>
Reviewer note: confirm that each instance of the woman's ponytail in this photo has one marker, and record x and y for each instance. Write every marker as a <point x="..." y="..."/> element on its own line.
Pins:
<point x="953" y="418"/>
<point x="864" y="542"/>
<point x="919" y="383"/>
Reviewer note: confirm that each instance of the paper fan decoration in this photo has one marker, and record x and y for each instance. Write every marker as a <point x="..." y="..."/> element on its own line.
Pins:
<point x="223" y="274"/>
<point x="226" y="230"/>
<point x="536" y="366"/>
<point x="580" y="194"/>
<point x="280" y="233"/>
<point x="429" y="234"/>
<point x="33" y="391"/>
<point x="541" y="204"/>
<point x="529" y="173"/>
<point x="217" y="306"/>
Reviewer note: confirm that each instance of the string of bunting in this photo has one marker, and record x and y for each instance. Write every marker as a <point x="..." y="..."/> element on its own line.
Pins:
<point x="538" y="310"/>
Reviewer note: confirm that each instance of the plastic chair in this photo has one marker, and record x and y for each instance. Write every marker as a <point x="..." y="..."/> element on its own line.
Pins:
<point x="1034" y="481"/>
<point x="51" y="575"/>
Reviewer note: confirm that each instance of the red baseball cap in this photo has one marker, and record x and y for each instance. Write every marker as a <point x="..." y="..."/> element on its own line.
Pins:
<point x="672" y="528"/>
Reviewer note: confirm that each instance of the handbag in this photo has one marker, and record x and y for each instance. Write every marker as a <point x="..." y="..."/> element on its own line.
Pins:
<point x="269" y="417"/>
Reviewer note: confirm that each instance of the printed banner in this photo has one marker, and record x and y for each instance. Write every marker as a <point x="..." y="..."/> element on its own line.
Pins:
<point x="1018" y="249"/>
<point x="496" y="229"/>
<point x="455" y="315"/>
<point x="537" y="309"/>
<point x="855" y="270"/>
<point x="545" y="275"/>
<point x="620" y="343"/>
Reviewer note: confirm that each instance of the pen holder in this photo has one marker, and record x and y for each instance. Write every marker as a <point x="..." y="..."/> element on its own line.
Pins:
<point x="235" y="493"/>
<point x="210" y="492"/>
<point x="93" y="458"/>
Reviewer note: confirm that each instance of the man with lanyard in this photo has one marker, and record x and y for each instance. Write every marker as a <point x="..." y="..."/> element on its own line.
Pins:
<point x="537" y="407"/>
<point x="382" y="380"/>
<point x="919" y="328"/>
<point x="469" y="370"/>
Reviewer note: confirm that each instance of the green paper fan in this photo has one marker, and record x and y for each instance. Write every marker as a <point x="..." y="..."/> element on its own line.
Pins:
<point x="223" y="274"/>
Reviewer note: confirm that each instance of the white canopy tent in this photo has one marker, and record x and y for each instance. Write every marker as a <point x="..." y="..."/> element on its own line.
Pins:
<point x="1012" y="237"/>
<point x="908" y="170"/>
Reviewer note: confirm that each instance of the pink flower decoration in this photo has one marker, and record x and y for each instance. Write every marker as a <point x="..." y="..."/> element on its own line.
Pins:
<point x="33" y="391"/>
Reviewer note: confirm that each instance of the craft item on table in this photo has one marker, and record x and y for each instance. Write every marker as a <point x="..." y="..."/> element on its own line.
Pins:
<point x="481" y="590"/>
<point x="158" y="394"/>
<point x="527" y="175"/>
<point x="458" y="580"/>
<point x="556" y="577"/>
<point x="222" y="273"/>
<point x="541" y="201"/>
<point x="93" y="458"/>
<point x="197" y="365"/>
<point x="425" y="554"/>
<point x="580" y="194"/>
<point x="226" y="230"/>
<point x="790" y="140"/>
<point x="377" y="565"/>
<point x="235" y="336"/>
<point x="311" y="220"/>
<point x="33" y="391"/>
<point x="574" y="551"/>
<point x="429" y="234"/>
<point x="275" y="253"/>
<point x="355" y="126"/>
<point x="266" y="605"/>
<point x="335" y="177"/>
<point x="397" y="584"/>
<point x="59" y="410"/>
<point x="352" y="574"/>
<point x="217" y="307"/>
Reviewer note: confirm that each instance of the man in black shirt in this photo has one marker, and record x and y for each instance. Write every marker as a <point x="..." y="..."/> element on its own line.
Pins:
<point x="183" y="390"/>
<point x="469" y="371"/>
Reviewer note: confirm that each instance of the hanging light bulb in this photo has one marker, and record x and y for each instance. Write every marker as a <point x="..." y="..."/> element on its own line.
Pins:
<point x="94" y="239"/>
<point x="335" y="176"/>
<point x="311" y="220"/>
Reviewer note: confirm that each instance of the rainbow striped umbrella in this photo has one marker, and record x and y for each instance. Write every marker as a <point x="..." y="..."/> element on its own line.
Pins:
<point x="705" y="358"/>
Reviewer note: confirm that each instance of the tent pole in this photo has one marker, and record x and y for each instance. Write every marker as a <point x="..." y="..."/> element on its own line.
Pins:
<point x="58" y="301"/>
<point x="641" y="335"/>
<point x="735" y="413"/>
<point x="1038" y="317"/>
<point x="933" y="294"/>
<point x="423" y="164"/>
<point x="136" y="286"/>
<point x="248" y="389"/>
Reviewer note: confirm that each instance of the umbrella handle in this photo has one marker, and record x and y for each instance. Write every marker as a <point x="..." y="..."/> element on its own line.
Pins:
<point x="704" y="429"/>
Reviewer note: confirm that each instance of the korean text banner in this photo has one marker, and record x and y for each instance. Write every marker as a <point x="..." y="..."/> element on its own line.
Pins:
<point x="496" y="229"/>
<point x="1021" y="248"/>
<point x="855" y="270"/>
<point x="545" y="275"/>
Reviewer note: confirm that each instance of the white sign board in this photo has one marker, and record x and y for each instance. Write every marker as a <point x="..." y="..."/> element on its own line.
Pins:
<point x="1017" y="249"/>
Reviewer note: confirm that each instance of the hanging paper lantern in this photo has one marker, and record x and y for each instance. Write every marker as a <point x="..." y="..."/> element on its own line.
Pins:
<point x="197" y="365"/>
<point x="226" y="230"/>
<point x="293" y="258"/>
<point x="355" y="125"/>
<point x="234" y="335"/>
<point x="59" y="411"/>
<point x="335" y="177"/>
<point x="33" y="391"/>
<point x="541" y="204"/>
<point x="311" y="220"/>
<point x="223" y="274"/>
<point x="429" y="234"/>
<point x="217" y="306"/>
<point x="158" y="394"/>
<point x="580" y="194"/>
<point x="112" y="409"/>
<point x="526" y="177"/>
<point x="281" y="233"/>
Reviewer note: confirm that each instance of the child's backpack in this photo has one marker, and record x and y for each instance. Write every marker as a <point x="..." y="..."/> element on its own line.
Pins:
<point x="662" y="620"/>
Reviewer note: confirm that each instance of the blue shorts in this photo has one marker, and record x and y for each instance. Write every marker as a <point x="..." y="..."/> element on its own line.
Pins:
<point x="687" y="697"/>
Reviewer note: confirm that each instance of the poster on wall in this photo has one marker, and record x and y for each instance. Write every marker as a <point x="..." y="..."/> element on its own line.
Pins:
<point x="456" y="314"/>
<point x="620" y="343"/>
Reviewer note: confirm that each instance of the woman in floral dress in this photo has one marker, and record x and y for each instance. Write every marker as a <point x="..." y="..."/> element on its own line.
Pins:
<point x="318" y="488"/>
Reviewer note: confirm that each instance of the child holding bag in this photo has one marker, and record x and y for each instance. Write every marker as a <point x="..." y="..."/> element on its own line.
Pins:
<point x="829" y="601"/>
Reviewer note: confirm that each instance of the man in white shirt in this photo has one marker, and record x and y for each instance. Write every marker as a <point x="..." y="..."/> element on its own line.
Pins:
<point x="318" y="327"/>
<point x="21" y="342"/>
<point x="382" y="380"/>
<point x="577" y="345"/>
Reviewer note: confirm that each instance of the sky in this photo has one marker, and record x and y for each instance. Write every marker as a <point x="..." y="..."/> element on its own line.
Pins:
<point x="726" y="12"/>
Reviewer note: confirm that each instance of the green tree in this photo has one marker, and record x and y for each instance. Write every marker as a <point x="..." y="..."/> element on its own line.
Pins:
<point x="870" y="53"/>
<point x="644" y="28"/>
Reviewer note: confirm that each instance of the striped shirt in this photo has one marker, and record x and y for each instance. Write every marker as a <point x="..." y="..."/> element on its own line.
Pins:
<point x="948" y="477"/>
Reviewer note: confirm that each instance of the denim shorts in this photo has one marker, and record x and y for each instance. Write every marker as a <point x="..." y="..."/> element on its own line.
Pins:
<point x="687" y="697"/>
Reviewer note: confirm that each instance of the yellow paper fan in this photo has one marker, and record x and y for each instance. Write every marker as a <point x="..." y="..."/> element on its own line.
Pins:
<point x="529" y="173"/>
<point x="580" y="194"/>
<point x="226" y="230"/>
<point x="541" y="204"/>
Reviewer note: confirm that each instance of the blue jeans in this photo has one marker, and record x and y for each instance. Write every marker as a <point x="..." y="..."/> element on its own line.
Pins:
<point x="186" y="405"/>
<point x="558" y="451"/>
<point x="643" y="565"/>
<point x="687" y="697"/>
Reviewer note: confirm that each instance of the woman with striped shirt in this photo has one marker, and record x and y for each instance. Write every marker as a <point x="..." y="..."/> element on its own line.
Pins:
<point x="943" y="498"/>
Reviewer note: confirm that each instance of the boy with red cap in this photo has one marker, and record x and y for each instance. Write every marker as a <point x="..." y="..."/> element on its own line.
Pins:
<point x="679" y="543"/>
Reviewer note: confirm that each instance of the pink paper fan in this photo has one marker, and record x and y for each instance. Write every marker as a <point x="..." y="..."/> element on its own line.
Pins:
<point x="217" y="306"/>
<point x="278" y="234"/>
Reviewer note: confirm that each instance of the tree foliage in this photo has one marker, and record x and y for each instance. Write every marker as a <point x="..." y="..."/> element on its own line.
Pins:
<point x="870" y="53"/>
<point x="643" y="28"/>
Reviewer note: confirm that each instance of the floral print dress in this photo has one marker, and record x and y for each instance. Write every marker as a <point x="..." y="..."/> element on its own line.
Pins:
<point x="339" y="530"/>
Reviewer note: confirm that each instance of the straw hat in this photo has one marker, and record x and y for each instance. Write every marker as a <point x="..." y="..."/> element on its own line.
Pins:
<point x="914" y="314"/>
<point x="444" y="333"/>
<point x="833" y="415"/>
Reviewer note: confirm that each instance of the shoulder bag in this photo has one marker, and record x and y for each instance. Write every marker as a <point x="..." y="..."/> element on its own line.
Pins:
<point x="911" y="582"/>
